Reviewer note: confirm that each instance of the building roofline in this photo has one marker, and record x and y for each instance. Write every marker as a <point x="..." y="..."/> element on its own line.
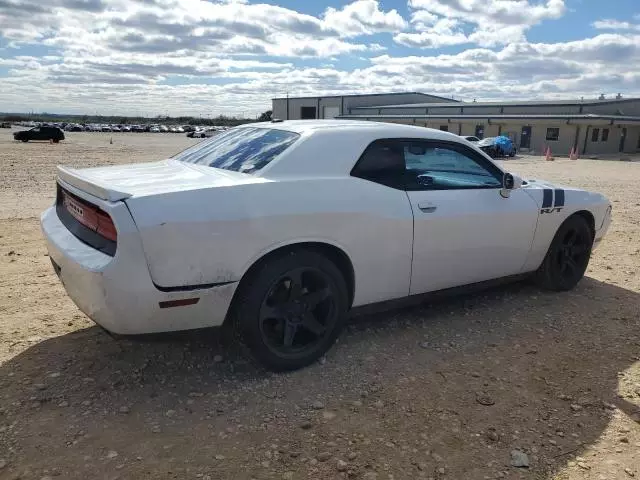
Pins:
<point x="586" y="116"/>
<point x="516" y="103"/>
<point x="350" y="95"/>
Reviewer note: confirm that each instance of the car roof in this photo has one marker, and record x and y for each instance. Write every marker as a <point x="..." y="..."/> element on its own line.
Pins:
<point x="382" y="129"/>
<point x="331" y="147"/>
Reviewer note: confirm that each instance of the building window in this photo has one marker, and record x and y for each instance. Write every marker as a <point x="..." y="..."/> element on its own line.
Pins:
<point x="444" y="128"/>
<point x="553" y="134"/>
<point x="605" y="134"/>
<point x="594" y="134"/>
<point x="307" y="113"/>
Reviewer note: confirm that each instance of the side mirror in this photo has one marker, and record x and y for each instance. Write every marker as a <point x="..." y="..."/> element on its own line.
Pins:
<point x="511" y="182"/>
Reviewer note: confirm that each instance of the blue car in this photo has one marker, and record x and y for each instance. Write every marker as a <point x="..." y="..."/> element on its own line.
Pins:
<point x="498" y="146"/>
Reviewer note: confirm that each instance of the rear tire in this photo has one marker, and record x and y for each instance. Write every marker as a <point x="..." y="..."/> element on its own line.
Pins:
<point x="568" y="256"/>
<point x="25" y="140"/>
<point x="291" y="309"/>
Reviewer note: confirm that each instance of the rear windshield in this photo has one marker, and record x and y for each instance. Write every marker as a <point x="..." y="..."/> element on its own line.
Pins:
<point x="244" y="150"/>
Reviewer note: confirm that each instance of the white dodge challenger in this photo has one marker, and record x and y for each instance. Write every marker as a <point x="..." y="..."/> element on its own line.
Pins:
<point x="282" y="228"/>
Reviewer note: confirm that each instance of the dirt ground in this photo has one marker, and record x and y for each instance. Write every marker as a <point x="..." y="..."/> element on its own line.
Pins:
<point x="442" y="391"/>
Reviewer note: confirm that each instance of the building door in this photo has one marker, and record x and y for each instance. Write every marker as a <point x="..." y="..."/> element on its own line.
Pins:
<point x="331" y="112"/>
<point x="307" y="113"/>
<point x="525" y="137"/>
<point x="480" y="131"/>
<point x="623" y="136"/>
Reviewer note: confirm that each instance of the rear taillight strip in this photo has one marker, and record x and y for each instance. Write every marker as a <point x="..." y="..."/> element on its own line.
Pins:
<point x="87" y="222"/>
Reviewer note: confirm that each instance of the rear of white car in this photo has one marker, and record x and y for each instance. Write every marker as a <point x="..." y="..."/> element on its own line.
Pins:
<point x="103" y="268"/>
<point x="96" y="241"/>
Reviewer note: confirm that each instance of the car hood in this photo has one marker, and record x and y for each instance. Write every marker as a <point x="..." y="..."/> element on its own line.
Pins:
<point x="538" y="183"/>
<point x="119" y="182"/>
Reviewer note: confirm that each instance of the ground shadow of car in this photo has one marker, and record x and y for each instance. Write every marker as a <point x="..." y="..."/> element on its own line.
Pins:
<point x="457" y="384"/>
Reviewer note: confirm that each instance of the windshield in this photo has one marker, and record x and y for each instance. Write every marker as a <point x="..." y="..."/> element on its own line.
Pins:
<point x="244" y="150"/>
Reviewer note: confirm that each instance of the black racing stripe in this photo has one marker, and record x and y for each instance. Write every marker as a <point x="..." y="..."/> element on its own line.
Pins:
<point x="559" y="194"/>
<point x="547" y="198"/>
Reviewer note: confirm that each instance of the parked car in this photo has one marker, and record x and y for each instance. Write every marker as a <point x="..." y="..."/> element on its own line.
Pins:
<point x="5" y="125"/>
<point x="40" y="133"/>
<point x="203" y="133"/>
<point x="497" y="147"/>
<point x="312" y="219"/>
<point x="154" y="129"/>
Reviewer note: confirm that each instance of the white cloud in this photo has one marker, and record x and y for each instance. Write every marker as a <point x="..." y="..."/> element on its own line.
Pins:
<point x="443" y="32"/>
<point x="491" y="22"/>
<point x="363" y="17"/>
<point x="607" y="24"/>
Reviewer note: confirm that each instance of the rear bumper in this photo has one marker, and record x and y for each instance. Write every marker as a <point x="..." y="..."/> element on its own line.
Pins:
<point x="117" y="292"/>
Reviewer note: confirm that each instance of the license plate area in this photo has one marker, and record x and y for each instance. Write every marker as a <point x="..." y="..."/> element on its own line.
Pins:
<point x="80" y="212"/>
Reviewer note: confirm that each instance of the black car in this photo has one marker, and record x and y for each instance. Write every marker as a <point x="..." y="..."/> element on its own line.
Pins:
<point x="40" y="133"/>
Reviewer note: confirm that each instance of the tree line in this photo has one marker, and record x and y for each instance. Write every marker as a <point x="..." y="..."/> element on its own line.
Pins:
<point x="220" y="120"/>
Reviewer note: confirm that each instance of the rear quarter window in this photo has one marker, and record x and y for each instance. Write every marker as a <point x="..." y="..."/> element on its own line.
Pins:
<point x="244" y="150"/>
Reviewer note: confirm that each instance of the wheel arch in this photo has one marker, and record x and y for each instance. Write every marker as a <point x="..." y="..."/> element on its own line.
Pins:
<point x="334" y="253"/>
<point x="590" y="219"/>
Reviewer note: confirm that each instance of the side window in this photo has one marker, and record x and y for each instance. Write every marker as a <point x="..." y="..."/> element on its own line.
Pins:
<point x="436" y="166"/>
<point x="426" y="165"/>
<point x="382" y="162"/>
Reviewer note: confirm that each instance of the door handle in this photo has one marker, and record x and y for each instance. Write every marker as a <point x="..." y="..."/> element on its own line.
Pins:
<point x="427" y="207"/>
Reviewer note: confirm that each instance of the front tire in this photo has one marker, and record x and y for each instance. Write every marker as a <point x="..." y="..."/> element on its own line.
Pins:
<point x="291" y="309"/>
<point x="568" y="256"/>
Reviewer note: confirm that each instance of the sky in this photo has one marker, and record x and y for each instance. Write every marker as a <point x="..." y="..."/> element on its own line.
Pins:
<point x="212" y="57"/>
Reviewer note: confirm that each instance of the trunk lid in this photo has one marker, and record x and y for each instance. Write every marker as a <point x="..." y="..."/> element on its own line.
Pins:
<point x="119" y="182"/>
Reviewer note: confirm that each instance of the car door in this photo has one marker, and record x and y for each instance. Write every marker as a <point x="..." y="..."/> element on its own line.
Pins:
<point x="34" y="133"/>
<point x="465" y="230"/>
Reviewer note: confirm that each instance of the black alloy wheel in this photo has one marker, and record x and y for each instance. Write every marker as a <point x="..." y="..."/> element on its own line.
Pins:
<point x="298" y="312"/>
<point x="572" y="254"/>
<point x="568" y="256"/>
<point x="290" y="309"/>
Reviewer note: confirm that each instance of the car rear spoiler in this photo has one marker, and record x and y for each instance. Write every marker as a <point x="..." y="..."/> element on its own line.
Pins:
<point x="75" y="178"/>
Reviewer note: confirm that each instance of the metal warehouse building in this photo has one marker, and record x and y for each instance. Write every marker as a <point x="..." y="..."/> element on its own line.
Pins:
<point x="593" y="127"/>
